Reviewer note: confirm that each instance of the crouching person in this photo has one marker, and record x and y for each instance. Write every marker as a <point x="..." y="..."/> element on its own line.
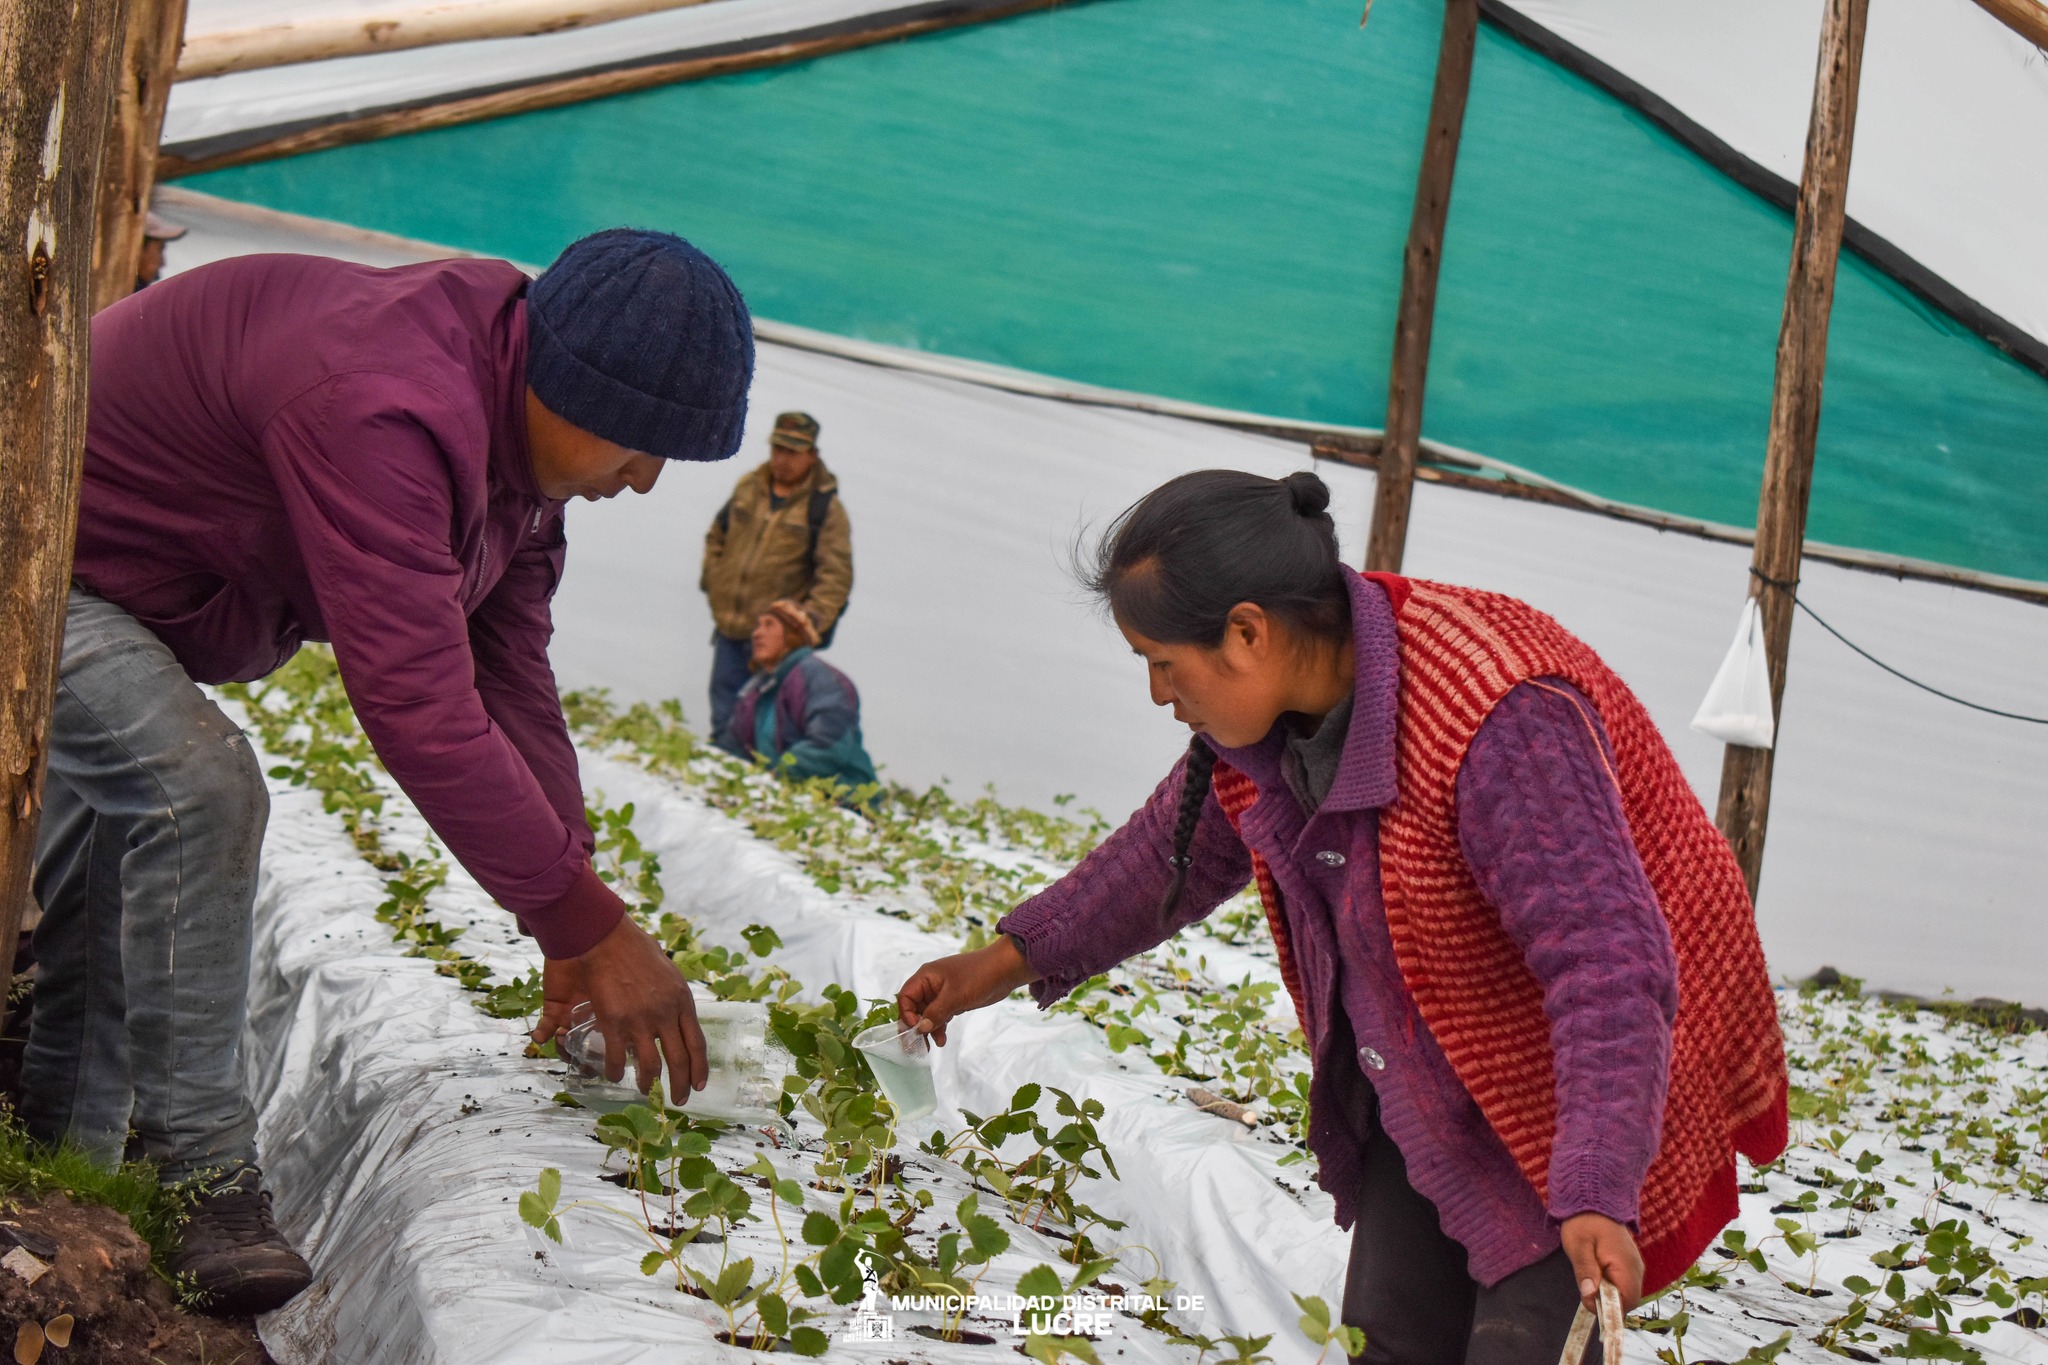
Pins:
<point x="288" y="448"/>
<point x="799" y="714"/>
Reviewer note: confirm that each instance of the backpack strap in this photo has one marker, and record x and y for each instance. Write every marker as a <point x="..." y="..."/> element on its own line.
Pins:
<point x="724" y="520"/>
<point x="820" y="508"/>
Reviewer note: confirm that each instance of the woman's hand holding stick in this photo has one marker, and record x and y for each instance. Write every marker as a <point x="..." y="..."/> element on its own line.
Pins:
<point x="1601" y="1249"/>
<point x="949" y="986"/>
<point x="1610" y="1273"/>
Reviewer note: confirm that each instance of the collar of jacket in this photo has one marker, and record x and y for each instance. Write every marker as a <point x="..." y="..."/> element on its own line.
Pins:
<point x="774" y="676"/>
<point x="817" y="481"/>
<point x="1367" y="773"/>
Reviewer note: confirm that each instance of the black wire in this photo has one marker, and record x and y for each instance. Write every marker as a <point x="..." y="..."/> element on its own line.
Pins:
<point x="1800" y="603"/>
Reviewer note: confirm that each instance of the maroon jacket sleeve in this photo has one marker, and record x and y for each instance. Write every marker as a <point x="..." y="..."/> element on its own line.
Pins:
<point x="1542" y="829"/>
<point x="359" y="466"/>
<point x="508" y="639"/>
<point x="1108" y="907"/>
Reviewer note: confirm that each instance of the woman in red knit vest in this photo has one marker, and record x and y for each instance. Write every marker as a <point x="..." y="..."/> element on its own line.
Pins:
<point x="1524" y="960"/>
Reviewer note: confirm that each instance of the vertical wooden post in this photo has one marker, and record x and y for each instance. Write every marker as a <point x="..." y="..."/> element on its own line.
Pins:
<point x="1394" y="484"/>
<point x="151" y="35"/>
<point x="56" y="79"/>
<point x="1795" y="404"/>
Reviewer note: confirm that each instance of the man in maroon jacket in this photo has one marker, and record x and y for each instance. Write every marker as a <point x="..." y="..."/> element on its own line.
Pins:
<point x="289" y="448"/>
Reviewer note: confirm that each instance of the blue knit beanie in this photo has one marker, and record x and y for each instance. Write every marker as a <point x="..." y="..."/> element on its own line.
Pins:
<point x="640" y="338"/>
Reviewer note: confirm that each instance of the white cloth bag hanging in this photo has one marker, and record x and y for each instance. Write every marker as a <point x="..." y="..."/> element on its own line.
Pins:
<point x="1737" y="708"/>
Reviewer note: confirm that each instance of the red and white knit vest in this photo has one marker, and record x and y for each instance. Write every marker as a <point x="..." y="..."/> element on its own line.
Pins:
<point x="1460" y="652"/>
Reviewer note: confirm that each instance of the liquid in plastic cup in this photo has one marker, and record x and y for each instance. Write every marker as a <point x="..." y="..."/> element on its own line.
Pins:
<point x="746" y="1064"/>
<point x="901" y="1058"/>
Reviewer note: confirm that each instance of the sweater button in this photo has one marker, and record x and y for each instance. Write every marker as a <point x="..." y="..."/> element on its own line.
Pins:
<point x="1372" y="1059"/>
<point x="1330" y="857"/>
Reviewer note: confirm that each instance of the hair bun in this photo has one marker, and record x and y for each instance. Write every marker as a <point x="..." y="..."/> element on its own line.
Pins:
<point x="1311" y="495"/>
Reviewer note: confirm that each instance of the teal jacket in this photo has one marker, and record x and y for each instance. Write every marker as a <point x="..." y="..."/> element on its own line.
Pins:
<point x="804" y="709"/>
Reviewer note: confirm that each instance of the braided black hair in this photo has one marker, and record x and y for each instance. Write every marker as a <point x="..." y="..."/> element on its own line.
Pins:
<point x="1194" y="792"/>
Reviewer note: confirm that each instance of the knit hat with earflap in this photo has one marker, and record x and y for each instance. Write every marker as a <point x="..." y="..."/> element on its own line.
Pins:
<point x="797" y="625"/>
<point x="640" y="338"/>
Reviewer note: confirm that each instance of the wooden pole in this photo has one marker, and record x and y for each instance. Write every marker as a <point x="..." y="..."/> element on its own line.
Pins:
<point x="1795" y="405"/>
<point x="56" y="85"/>
<point x="317" y="39"/>
<point x="2028" y="18"/>
<point x="599" y="85"/>
<point x="149" y="52"/>
<point x="1394" y="485"/>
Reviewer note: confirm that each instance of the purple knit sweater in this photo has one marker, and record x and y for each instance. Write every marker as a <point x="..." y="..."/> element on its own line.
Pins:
<point x="1542" y="830"/>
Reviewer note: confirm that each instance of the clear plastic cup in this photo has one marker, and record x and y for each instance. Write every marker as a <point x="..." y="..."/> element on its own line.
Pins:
<point x="901" y="1059"/>
<point x="746" y="1063"/>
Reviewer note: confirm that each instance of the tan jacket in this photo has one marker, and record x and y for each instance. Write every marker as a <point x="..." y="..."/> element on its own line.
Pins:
<point x="762" y="554"/>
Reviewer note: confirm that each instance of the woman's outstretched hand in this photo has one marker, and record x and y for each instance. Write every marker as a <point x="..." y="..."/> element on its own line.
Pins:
<point x="1601" y="1249"/>
<point x="953" y="985"/>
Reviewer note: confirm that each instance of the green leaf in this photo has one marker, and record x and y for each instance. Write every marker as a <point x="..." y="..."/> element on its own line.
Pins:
<point x="819" y="1228"/>
<point x="550" y="1186"/>
<point x="809" y="1341"/>
<point x="836" y="1266"/>
<point x="988" y="1237"/>
<point x="1026" y="1097"/>
<point x="1049" y="1350"/>
<point x="535" y="1213"/>
<point x="1040" y="1282"/>
<point x="733" y="1282"/>
<point x="774" y="1314"/>
<point x="1315" y="1318"/>
<point x="790" y="1193"/>
<point x="652" y="1261"/>
<point x="808" y="1281"/>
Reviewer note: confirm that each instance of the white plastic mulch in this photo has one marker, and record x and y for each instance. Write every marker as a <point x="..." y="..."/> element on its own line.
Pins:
<point x="400" y="1125"/>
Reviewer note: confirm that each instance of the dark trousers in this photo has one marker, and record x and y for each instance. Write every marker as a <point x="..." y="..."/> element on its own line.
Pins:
<point x="729" y="667"/>
<point x="1408" y="1290"/>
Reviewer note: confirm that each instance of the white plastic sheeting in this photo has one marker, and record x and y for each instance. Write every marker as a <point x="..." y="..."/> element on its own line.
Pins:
<point x="1950" y="164"/>
<point x="1905" y="831"/>
<point x="398" y="1125"/>
<point x="216" y="106"/>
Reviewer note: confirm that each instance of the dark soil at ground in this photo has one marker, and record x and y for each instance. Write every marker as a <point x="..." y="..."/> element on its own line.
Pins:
<point x="122" y="1313"/>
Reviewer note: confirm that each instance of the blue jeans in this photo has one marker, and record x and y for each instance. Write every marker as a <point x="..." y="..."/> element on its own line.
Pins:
<point x="730" y="660"/>
<point x="153" y="814"/>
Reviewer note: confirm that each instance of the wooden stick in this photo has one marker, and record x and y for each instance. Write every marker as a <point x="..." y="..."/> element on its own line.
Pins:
<point x="2028" y="18"/>
<point x="1795" y="405"/>
<point x="149" y="50"/>
<point x="314" y="40"/>
<point x="571" y="90"/>
<point x="1209" y="1102"/>
<point x="57" y="63"/>
<point x="1394" y="487"/>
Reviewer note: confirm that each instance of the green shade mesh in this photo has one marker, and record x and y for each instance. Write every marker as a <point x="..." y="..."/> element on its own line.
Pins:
<point x="1208" y="199"/>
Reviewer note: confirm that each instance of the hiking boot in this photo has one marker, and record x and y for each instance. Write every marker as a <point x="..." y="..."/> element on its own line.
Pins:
<point x="231" y="1251"/>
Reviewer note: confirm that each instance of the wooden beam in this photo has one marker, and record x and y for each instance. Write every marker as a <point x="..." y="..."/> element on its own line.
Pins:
<point x="2028" y="18"/>
<point x="1795" y="404"/>
<point x="148" y="52"/>
<point x="57" y="69"/>
<point x="356" y="35"/>
<point x="571" y="90"/>
<point x="1394" y="485"/>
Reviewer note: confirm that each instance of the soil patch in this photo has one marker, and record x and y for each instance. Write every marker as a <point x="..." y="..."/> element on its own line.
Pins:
<point x="122" y="1313"/>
